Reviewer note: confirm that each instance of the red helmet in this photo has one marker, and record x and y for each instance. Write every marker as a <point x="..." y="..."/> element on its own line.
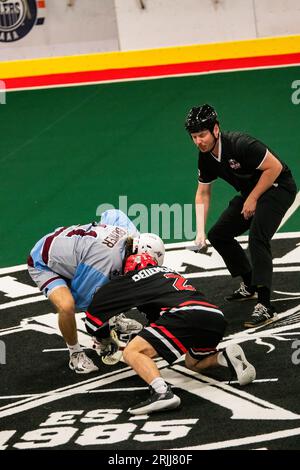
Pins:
<point x="137" y="262"/>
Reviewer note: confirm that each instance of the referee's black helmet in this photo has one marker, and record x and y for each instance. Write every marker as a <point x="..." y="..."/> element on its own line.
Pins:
<point x="201" y="118"/>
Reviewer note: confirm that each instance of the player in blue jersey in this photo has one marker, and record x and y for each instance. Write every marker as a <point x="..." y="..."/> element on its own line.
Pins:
<point x="70" y="264"/>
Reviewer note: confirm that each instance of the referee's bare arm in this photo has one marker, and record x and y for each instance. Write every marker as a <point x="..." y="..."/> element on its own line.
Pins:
<point x="271" y="169"/>
<point x="202" y="202"/>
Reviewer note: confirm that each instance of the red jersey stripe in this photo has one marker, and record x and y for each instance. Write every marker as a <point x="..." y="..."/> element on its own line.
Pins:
<point x="48" y="282"/>
<point x="48" y="243"/>
<point x="94" y="319"/>
<point x="172" y="337"/>
<point x="197" y="302"/>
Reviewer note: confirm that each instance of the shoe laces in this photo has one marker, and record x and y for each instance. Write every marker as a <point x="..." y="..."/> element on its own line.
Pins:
<point x="259" y="310"/>
<point x="242" y="289"/>
<point x="82" y="356"/>
<point x="125" y="324"/>
<point x="121" y="321"/>
<point x="121" y="316"/>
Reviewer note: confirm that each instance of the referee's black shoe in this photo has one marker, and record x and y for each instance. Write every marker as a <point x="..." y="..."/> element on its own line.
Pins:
<point x="156" y="402"/>
<point x="261" y="315"/>
<point x="242" y="293"/>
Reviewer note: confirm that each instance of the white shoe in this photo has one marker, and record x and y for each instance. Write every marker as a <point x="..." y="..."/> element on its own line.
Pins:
<point x="125" y="325"/>
<point x="81" y="363"/>
<point x="108" y="349"/>
<point x="237" y="362"/>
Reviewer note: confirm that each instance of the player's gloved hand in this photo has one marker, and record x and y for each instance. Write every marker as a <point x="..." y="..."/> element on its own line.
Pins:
<point x="108" y="349"/>
<point x="106" y="346"/>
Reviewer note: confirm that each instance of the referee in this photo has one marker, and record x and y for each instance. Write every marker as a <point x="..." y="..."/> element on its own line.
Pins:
<point x="266" y="190"/>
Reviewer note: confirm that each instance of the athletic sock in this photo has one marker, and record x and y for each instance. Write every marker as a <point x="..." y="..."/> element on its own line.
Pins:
<point x="263" y="296"/>
<point x="221" y="359"/>
<point x="75" y="348"/>
<point x="159" y="385"/>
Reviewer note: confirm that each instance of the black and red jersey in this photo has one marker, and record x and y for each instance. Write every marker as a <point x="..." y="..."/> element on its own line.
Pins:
<point x="152" y="290"/>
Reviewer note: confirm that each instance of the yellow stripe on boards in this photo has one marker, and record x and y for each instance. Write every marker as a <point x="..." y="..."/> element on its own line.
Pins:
<point x="150" y="57"/>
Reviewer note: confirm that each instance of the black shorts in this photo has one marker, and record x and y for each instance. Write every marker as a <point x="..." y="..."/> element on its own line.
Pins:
<point x="196" y="329"/>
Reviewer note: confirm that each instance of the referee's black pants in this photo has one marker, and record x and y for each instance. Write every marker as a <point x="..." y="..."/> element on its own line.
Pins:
<point x="270" y="209"/>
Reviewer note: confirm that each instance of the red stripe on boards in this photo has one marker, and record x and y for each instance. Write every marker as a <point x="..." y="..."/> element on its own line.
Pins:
<point x="151" y="71"/>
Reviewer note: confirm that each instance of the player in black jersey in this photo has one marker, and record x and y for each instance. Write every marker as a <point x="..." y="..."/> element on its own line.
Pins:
<point x="181" y="321"/>
<point x="267" y="189"/>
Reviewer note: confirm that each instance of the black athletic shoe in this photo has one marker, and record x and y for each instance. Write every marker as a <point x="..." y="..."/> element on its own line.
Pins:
<point x="242" y="293"/>
<point x="156" y="402"/>
<point x="261" y="316"/>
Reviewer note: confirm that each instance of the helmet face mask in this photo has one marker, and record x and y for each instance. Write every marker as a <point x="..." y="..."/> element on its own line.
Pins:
<point x="201" y="118"/>
<point x="137" y="262"/>
<point x="149" y="243"/>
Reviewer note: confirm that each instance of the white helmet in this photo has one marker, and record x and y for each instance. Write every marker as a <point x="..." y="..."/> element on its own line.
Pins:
<point x="149" y="243"/>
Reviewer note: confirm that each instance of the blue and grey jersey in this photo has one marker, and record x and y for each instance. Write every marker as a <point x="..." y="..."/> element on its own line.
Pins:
<point x="85" y="256"/>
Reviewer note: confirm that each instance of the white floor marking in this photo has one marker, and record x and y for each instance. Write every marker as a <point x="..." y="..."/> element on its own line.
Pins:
<point x="291" y="210"/>
<point x="242" y="404"/>
<point x="245" y="440"/>
<point x="16" y="303"/>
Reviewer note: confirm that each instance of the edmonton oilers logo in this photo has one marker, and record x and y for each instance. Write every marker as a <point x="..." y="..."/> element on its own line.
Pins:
<point x="17" y="17"/>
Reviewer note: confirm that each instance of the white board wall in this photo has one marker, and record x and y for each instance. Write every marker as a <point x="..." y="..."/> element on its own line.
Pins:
<point x="89" y="26"/>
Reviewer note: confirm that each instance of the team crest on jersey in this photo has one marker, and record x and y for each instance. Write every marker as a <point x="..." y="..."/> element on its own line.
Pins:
<point x="234" y="164"/>
<point x="17" y="18"/>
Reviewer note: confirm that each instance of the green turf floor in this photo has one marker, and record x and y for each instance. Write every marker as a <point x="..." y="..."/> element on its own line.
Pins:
<point x="64" y="151"/>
